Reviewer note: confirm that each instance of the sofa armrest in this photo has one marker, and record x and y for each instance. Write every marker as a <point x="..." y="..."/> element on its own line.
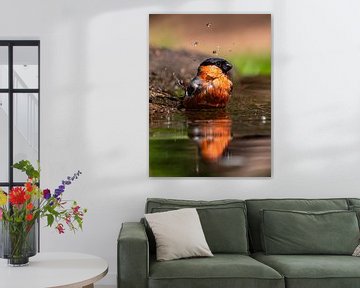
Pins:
<point x="133" y="256"/>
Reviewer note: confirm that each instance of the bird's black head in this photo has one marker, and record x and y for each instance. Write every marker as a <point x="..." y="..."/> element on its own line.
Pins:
<point x="224" y="65"/>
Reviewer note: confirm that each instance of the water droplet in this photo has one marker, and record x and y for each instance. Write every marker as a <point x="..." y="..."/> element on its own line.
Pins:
<point x="196" y="43"/>
<point x="208" y="25"/>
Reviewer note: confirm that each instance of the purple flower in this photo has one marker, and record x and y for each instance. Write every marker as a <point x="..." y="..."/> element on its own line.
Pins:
<point x="46" y="194"/>
<point x="58" y="192"/>
<point x="64" y="183"/>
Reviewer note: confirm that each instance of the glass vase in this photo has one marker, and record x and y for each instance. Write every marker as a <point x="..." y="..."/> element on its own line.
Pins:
<point x="18" y="242"/>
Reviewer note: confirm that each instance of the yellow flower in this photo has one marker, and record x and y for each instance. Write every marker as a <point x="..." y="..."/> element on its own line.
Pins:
<point x="3" y="198"/>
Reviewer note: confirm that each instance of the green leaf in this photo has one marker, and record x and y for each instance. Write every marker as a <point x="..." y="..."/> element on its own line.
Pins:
<point x="51" y="210"/>
<point x="79" y="221"/>
<point x="50" y="219"/>
<point x="21" y="165"/>
<point x="28" y="168"/>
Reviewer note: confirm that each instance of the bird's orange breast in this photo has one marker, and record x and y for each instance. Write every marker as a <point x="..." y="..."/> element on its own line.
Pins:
<point x="215" y="91"/>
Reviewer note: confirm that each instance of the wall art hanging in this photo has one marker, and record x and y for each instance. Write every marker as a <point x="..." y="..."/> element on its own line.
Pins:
<point x="210" y="95"/>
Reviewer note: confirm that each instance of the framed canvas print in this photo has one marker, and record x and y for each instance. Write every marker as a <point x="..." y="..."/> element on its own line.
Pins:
<point x="210" y="95"/>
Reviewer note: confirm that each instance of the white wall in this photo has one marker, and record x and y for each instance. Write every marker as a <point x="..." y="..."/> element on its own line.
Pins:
<point x="94" y="106"/>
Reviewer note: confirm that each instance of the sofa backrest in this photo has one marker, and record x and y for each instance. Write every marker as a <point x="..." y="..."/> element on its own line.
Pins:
<point x="353" y="202"/>
<point x="223" y="221"/>
<point x="256" y="205"/>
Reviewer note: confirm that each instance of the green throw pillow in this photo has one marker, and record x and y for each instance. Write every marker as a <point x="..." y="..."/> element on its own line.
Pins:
<point x="299" y="232"/>
<point x="356" y="209"/>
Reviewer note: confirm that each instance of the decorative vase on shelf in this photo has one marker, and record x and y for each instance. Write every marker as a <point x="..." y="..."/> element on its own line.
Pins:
<point x="18" y="242"/>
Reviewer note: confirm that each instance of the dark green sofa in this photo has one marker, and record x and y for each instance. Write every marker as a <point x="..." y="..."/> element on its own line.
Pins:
<point x="232" y="230"/>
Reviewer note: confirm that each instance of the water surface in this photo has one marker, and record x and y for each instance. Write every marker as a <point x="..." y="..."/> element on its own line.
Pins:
<point x="216" y="143"/>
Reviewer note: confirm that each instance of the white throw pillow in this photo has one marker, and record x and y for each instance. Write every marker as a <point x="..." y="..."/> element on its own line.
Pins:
<point x="178" y="234"/>
<point x="357" y="251"/>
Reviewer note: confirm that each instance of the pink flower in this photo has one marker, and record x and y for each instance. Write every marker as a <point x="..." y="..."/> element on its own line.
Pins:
<point x="1" y="212"/>
<point x="76" y="210"/>
<point x="60" y="228"/>
<point x="68" y="219"/>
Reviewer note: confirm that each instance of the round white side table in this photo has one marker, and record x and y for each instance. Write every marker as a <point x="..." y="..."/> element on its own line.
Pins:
<point x="50" y="270"/>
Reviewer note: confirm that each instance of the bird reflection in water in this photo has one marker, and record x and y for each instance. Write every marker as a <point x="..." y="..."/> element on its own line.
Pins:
<point x="211" y="131"/>
<point x="223" y="153"/>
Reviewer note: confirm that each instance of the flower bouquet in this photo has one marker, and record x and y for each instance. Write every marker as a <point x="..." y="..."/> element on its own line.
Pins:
<point x="21" y="208"/>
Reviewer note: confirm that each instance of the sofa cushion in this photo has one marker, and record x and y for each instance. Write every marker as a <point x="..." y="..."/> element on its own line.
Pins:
<point x="222" y="270"/>
<point x="223" y="221"/>
<point x="297" y="232"/>
<point x="178" y="234"/>
<point x="313" y="271"/>
<point x="254" y="207"/>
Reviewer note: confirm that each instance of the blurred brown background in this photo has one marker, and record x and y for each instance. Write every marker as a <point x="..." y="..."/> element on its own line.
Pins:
<point x="221" y="34"/>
